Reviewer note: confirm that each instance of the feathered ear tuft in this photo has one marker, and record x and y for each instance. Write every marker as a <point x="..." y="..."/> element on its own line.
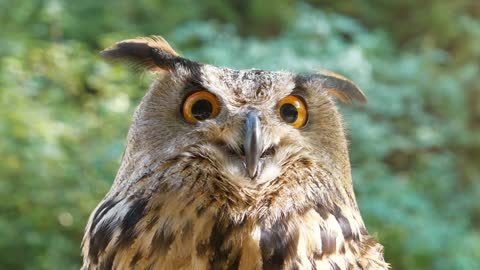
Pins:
<point x="151" y="53"/>
<point x="339" y="86"/>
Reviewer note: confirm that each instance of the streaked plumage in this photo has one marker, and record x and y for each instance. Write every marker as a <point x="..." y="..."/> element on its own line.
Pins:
<point x="186" y="198"/>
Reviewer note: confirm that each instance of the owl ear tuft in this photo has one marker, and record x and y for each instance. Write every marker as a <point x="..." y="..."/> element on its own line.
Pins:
<point x="340" y="87"/>
<point x="151" y="53"/>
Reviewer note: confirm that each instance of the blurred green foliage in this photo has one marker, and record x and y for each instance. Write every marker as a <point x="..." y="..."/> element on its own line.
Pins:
<point x="415" y="148"/>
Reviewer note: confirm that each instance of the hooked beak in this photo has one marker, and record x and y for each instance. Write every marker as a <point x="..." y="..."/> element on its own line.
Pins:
<point x="253" y="143"/>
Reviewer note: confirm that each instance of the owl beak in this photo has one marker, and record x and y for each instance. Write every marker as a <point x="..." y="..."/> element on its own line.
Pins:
<point x="253" y="143"/>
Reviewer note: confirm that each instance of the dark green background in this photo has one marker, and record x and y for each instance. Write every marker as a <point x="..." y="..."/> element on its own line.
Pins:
<point x="415" y="147"/>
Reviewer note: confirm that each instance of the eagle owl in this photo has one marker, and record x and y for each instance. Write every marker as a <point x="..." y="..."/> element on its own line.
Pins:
<point x="231" y="169"/>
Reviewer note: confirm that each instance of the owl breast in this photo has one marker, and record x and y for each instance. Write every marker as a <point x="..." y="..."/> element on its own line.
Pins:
<point x="206" y="222"/>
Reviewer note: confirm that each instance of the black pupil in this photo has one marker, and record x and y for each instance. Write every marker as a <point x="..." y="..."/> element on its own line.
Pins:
<point x="202" y="109"/>
<point x="289" y="113"/>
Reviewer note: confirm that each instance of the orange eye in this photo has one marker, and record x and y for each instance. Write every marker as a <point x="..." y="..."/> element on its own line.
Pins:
<point x="292" y="110"/>
<point x="200" y="106"/>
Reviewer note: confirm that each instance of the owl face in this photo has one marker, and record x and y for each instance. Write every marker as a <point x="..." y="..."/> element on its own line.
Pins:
<point x="249" y="125"/>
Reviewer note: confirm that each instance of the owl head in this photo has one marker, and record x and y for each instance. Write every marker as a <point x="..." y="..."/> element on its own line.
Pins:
<point x="255" y="133"/>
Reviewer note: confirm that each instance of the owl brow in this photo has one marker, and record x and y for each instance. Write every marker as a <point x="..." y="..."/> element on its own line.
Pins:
<point x="299" y="91"/>
<point x="300" y="88"/>
<point x="193" y="85"/>
<point x="195" y="68"/>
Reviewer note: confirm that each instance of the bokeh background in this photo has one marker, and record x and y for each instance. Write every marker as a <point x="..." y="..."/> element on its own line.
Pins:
<point x="415" y="148"/>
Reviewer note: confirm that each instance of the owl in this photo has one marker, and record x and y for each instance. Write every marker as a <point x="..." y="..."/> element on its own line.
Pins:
<point x="231" y="169"/>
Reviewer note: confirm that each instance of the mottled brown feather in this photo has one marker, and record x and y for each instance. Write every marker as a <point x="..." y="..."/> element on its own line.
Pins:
<point x="182" y="198"/>
<point x="341" y="87"/>
<point x="152" y="53"/>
